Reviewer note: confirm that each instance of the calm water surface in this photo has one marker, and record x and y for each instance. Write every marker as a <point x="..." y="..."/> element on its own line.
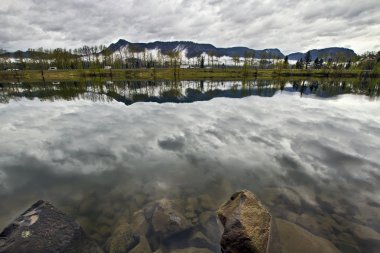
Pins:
<point x="101" y="151"/>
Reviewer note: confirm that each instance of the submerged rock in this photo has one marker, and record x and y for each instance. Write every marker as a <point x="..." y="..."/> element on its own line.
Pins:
<point x="159" y="225"/>
<point x="129" y="237"/>
<point x="142" y="247"/>
<point x="246" y="224"/>
<point x="166" y="220"/>
<point x="185" y="250"/>
<point x="198" y="239"/>
<point x="123" y="239"/>
<point x="210" y="226"/>
<point x="139" y="223"/>
<point x="44" y="228"/>
<point x="191" y="250"/>
<point x="288" y="237"/>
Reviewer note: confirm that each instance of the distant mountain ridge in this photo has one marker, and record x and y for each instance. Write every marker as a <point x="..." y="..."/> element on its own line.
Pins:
<point x="196" y="49"/>
<point x="323" y="53"/>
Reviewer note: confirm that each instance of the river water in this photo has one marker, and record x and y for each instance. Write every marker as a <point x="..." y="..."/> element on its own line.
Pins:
<point x="101" y="151"/>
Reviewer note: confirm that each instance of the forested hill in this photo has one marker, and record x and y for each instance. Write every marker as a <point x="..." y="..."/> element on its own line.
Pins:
<point x="196" y="49"/>
<point x="324" y="53"/>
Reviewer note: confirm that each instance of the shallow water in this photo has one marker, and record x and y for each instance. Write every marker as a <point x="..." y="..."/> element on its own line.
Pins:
<point x="311" y="152"/>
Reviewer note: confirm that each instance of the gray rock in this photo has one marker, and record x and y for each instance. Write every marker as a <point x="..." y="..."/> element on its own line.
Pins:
<point x="139" y="223"/>
<point x="165" y="219"/>
<point x="288" y="237"/>
<point x="191" y="250"/>
<point x="123" y="239"/>
<point x="126" y="236"/>
<point x="44" y="228"/>
<point x="246" y="224"/>
<point x="142" y="247"/>
<point x="207" y="202"/>
<point x="198" y="239"/>
<point x="210" y="226"/>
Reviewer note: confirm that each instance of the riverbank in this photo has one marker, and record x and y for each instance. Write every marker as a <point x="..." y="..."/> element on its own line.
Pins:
<point x="178" y="74"/>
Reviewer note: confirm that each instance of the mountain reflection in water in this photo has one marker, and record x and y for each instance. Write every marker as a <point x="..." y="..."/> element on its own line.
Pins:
<point x="130" y="92"/>
<point x="313" y="162"/>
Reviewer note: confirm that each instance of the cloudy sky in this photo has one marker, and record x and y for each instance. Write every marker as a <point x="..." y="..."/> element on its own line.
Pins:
<point x="289" y="25"/>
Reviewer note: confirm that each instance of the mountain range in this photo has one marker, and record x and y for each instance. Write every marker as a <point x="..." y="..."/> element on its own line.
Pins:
<point x="325" y="52"/>
<point x="196" y="49"/>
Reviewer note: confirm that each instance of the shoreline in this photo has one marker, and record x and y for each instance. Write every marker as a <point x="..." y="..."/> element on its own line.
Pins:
<point x="179" y="74"/>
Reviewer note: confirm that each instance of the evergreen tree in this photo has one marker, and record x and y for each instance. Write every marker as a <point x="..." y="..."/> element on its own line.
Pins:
<point x="263" y="59"/>
<point x="286" y="61"/>
<point x="348" y="65"/>
<point x="298" y="64"/>
<point x="307" y="59"/>
<point x="301" y="63"/>
<point x="321" y="63"/>
<point x="316" y="63"/>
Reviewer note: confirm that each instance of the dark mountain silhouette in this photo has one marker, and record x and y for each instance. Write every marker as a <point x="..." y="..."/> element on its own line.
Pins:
<point x="195" y="49"/>
<point x="17" y="54"/>
<point x="324" y="53"/>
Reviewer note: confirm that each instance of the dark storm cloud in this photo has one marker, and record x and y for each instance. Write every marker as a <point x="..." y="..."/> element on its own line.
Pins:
<point x="289" y="25"/>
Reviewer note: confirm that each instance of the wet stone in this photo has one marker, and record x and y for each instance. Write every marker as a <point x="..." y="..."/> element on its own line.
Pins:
<point x="139" y="223"/>
<point x="287" y="237"/>
<point x="198" y="239"/>
<point x="165" y="218"/>
<point x="246" y="224"/>
<point x="142" y="246"/>
<point x="192" y="250"/>
<point x="43" y="228"/>
<point x="123" y="239"/>
<point x="207" y="203"/>
<point x="210" y="227"/>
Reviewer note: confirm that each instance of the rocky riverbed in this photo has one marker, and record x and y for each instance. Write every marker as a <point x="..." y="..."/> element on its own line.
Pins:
<point x="241" y="224"/>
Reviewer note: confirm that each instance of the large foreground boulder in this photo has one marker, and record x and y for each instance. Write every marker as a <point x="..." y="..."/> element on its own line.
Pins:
<point x="246" y="224"/>
<point x="43" y="228"/>
<point x="249" y="228"/>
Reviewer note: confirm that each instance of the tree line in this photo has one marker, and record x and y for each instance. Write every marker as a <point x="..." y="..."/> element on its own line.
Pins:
<point x="133" y="57"/>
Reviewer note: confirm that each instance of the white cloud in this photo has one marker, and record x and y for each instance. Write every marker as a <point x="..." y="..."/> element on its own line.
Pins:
<point x="288" y="25"/>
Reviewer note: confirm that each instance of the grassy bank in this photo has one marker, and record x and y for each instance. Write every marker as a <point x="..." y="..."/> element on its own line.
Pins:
<point x="181" y="74"/>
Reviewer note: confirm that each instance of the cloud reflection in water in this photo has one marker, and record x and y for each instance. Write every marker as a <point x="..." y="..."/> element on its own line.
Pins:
<point x="304" y="157"/>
